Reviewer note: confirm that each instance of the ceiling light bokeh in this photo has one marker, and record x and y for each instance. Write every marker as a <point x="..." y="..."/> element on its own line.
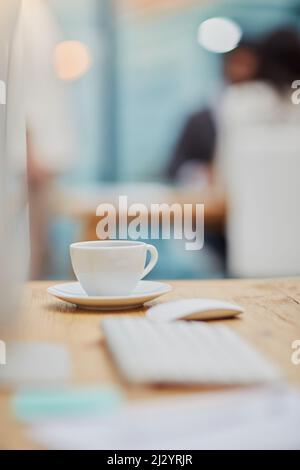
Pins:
<point x="72" y="59"/>
<point x="219" y="34"/>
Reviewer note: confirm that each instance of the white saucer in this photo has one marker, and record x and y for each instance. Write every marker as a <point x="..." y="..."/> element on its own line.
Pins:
<point x="145" y="291"/>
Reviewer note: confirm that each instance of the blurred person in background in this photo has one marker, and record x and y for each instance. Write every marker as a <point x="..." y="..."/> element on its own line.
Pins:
<point x="193" y="157"/>
<point x="191" y="161"/>
<point x="258" y="162"/>
<point x="49" y="136"/>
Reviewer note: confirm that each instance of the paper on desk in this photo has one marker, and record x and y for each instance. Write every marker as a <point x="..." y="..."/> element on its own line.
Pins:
<point x="34" y="364"/>
<point x="263" y="418"/>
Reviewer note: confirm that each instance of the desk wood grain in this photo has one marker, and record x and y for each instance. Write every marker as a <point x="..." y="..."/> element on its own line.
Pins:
<point x="271" y="323"/>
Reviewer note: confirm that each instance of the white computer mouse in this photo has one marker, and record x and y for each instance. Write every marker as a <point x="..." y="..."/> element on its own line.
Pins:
<point x="193" y="309"/>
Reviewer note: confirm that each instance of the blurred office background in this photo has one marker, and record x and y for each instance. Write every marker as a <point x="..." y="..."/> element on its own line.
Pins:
<point x="135" y="72"/>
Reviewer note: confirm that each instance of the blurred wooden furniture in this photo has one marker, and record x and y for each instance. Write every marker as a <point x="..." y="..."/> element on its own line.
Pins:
<point x="80" y="203"/>
<point x="271" y="323"/>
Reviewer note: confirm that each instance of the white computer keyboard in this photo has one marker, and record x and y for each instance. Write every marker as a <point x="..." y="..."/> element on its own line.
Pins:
<point x="184" y="353"/>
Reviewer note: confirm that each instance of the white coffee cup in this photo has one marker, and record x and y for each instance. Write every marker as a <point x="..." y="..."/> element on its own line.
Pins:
<point x="111" y="268"/>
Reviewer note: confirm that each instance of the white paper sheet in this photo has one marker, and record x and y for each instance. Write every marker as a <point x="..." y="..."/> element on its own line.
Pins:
<point x="261" y="418"/>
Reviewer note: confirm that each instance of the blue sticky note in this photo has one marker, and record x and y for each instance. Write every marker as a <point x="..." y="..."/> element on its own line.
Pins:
<point x="30" y="405"/>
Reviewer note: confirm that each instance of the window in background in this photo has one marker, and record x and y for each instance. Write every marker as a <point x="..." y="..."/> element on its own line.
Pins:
<point x="81" y="24"/>
<point x="147" y="74"/>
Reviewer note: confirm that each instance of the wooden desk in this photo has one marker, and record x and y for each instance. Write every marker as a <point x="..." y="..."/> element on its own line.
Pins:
<point x="271" y="323"/>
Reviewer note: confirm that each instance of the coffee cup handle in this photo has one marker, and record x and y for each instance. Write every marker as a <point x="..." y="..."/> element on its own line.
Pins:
<point x="154" y="258"/>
